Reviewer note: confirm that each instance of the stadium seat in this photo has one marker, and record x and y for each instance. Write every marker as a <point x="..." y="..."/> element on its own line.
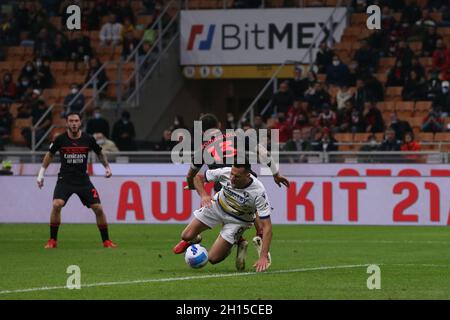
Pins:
<point x="423" y="106"/>
<point x="443" y="31"/>
<point x="416" y="47"/>
<point x="416" y="122"/>
<point x="358" y="19"/>
<point x="442" y="137"/>
<point x="361" y="137"/>
<point x="386" y="106"/>
<point x="344" y="137"/>
<point x="14" y="109"/>
<point x="426" y="62"/>
<point x="394" y="93"/>
<point x="404" y="106"/>
<point x="425" y="137"/>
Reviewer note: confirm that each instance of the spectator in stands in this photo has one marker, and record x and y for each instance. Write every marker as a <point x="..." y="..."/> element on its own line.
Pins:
<point x="127" y="27"/>
<point x="429" y="41"/>
<point x="373" y="118"/>
<point x="442" y="99"/>
<point x="24" y="85"/>
<point x="396" y="75"/>
<point x="8" y="89"/>
<point x="433" y="121"/>
<point x="79" y="48"/>
<point x="123" y="133"/>
<point x="425" y="22"/>
<point x="343" y="95"/>
<point x="44" y="78"/>
<point x="361" y="95"/>
<point x="282" y="99"/>
<point x="441" y="59"/>
<point x="280" y="123"/>
<point x="300" y="142"/>
<point x="390" y="142"/>
<point x="316" y="96"/>
<point x="111" y="32"/>
<point x="258" y="123"/>
<point x="94" y="66"/>
<point x="414" y="88"/>
<point x="37" y="112"/>
<point x="98" y="123"/>
<point x="311" y="77"/>
<point x="338" y="72"/>
<point x="404" y="54"/>
<point x="29" y="71"/>
<point x="107" y="145"/>
<point x="231" y="122"/>
<point x="78" y="103"/>
<point x="22" y="16"/>
<point x="44" y="45"/>
<point x="417" y="67"/>
<point x="293" y="112"/>
<point x="375" y="88"/>
<point x="433" y="85"/>
<point x="399" y="126"/>
<point x="166" y="143"/>
<point x="5" y="125"/>
<point x="350" y="119"/>
<point x="299" y="84"/>
<point x="130" y="42"/>
<point x="327" y="118"/>
<point x="366" y="58"/>
<point x="411" y="12"/>
<point x="326" y="142"/>
<point x="371" y="145"/>
<point x="409" y="144"/>
<point x="324" y="57"/>
<point x="60" y="51"/>
<point x="303" y="122"/>
<point x="354" y="74"/>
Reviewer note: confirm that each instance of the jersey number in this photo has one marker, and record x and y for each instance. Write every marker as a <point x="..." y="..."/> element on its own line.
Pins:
<point x="227" y="150"/>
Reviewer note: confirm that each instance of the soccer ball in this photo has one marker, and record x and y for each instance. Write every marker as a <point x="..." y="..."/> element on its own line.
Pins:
<point x="196" y="256"/>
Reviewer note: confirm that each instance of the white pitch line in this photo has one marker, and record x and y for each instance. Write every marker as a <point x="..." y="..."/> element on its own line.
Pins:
<point x="219" y="275"/>
<point x="361" y="241"/>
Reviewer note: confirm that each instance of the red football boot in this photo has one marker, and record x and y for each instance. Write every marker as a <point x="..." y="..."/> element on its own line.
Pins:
<point x="109" y="244"/>
<point x="51" y="244"/>
<point x="183" y="245"/>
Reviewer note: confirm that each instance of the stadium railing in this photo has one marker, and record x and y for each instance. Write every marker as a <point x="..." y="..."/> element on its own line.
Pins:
<point x="429" y="157"/>
<point x="249" y="113"/>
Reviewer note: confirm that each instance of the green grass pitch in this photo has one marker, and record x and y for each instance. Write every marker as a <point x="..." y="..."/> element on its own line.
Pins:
<point x="309" y="262"/>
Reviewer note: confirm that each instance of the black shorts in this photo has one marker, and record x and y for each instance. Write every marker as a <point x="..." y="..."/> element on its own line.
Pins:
<point x="86" y="192"/>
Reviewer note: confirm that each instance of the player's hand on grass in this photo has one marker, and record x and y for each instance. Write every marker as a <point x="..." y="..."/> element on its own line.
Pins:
<point x="206" y="201"/>
<point x="108" y="172"/>
<point x="280" y="180"/>
<point x="262" y="264"/>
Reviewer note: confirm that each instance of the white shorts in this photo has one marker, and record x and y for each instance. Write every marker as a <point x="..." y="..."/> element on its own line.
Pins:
<point x="232" y="228"/>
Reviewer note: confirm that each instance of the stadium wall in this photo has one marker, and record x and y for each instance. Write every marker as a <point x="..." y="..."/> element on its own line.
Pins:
<point x="319" y="194"/>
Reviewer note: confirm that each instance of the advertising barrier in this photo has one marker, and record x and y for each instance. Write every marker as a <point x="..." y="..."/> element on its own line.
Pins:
<point x="270" y="36"/>
<point x="344" y="200"/>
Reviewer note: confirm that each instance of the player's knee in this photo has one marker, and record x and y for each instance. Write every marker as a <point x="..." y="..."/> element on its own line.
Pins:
<point x="97" y="208"/>
<point x="58" y="204"/>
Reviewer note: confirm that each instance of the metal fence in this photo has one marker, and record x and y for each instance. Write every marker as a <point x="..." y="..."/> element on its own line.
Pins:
<point x="430" y="157"/>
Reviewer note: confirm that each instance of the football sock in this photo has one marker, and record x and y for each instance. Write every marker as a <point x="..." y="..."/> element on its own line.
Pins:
<point x="54" y="230"/>
<point x="103" y="228"/>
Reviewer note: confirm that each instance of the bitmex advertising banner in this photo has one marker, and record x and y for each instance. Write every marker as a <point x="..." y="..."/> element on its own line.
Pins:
<point x="269" y="36"/>
<point x="363" y="200"/>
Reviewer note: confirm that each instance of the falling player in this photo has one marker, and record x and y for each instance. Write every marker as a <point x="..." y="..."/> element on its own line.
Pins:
<point x="74" y="146"/>
<point x="235" y="206"/>
<point x="227" y="143"/>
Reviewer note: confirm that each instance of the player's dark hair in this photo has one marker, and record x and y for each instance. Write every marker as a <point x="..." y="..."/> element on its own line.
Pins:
<point x="71" y="113"/>
<point x="209" y="121"/>
<point x="246" y="166"/>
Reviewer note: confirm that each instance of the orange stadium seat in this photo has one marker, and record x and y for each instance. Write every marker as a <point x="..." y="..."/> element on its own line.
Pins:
<point x="16" y="133"/>
<point x="416" y="122"/>
<point x="344" y="137"/>
<point x="442" y="136"/>
<point x="361" y="137"/>
<point x="386" y="106"/>
<point x="425" y="136"/>
<point x="443" y="31"/>
<point x="394" y="93"/>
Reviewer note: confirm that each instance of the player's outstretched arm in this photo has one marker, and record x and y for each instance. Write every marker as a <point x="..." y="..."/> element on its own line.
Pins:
<point x="45" y="163"/>
<point x="102" y="158"/>
<point x="262" y="263"/>
<point x="199" y="182"/>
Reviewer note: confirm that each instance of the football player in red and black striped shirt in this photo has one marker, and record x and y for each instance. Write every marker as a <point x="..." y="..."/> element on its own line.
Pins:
<point x="74" y="146"/>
